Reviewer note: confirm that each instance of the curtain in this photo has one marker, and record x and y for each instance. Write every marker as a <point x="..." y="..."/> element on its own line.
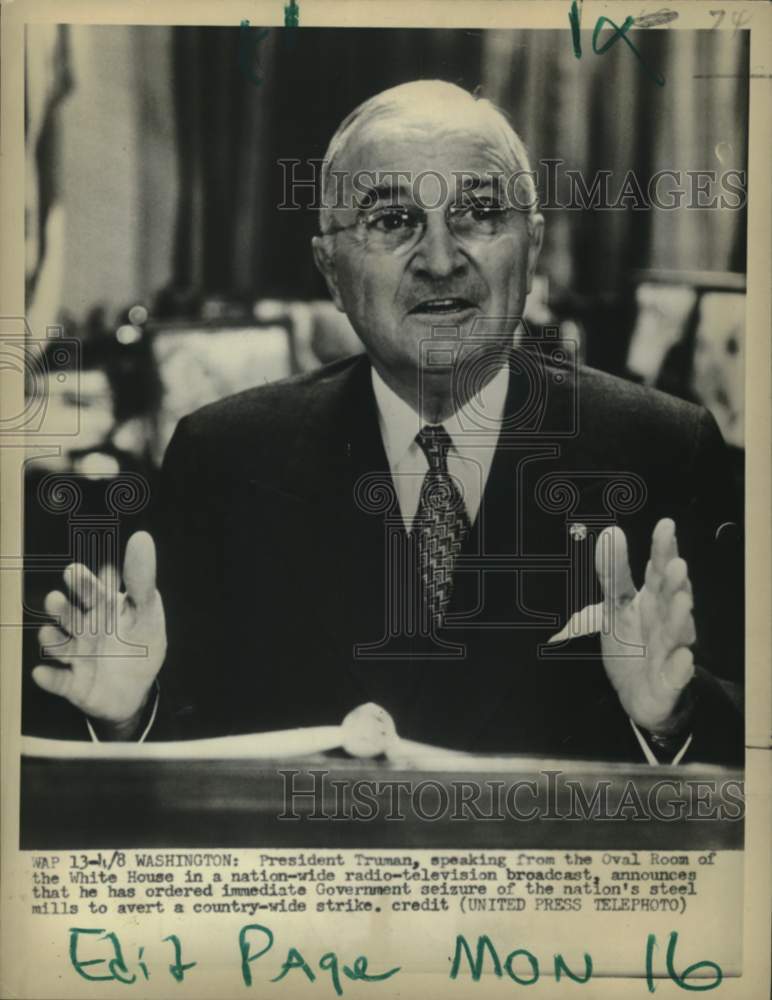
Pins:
<point x="232" y="132"/>
<point x="604" y="112"/>
<point x="49" y="80"/>
<point x="101" y="197"/>
<point x="600" y="112"/>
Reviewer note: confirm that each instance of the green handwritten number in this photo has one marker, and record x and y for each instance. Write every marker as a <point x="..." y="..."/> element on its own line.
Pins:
<point x="292" y="14"/>
<point x="249" y="39"/>
<point x="619" y="33"/>
<point x="690" y="970"/>
<point x="575" y="20"/>
<point x="679" y="980"/>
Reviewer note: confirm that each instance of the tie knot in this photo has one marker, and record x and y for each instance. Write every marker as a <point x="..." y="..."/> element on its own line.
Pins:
<point x="434" y="441"/>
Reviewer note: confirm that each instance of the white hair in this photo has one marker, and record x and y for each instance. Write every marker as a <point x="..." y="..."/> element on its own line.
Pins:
<point x="411" y="100"/>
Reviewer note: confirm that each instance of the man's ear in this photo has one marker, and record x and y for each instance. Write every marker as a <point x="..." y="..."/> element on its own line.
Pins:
<point x="322" y="249"/>
<point x="536" y="233"/>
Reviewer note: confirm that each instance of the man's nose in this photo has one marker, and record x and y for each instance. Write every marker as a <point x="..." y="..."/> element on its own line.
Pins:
<point x="438" y="253"/>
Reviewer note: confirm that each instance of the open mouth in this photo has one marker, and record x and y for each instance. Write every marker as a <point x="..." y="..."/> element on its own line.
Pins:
<point x="442" y="307"/>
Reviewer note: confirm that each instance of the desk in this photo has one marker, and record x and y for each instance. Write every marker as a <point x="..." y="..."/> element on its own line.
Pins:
<point x="70" y="804"/>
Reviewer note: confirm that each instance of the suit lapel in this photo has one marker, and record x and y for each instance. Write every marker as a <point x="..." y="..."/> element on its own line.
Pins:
<point x="523" y="527"/>
<point x="335" y="510"/>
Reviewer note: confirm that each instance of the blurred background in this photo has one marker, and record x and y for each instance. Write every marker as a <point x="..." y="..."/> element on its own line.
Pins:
<point x="154" y="176"/>
<point x="161" y="276"/>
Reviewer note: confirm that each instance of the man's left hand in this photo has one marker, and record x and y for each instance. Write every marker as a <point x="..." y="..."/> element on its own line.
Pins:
<point x="646" y="634"/>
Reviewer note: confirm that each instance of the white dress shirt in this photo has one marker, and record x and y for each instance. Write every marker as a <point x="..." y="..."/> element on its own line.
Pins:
<point x="474" y="433"/>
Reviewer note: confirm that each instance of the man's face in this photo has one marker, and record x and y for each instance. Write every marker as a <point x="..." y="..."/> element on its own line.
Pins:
<point x="396" y="294"/>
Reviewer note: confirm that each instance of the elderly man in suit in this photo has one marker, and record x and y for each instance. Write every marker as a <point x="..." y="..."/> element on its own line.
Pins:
<point x="450" y="525"/>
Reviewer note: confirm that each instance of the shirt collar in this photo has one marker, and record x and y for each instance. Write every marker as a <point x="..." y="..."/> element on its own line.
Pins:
<point x="400" y="423"/>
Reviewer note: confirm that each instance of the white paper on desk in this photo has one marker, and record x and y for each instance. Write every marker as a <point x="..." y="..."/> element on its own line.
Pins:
<point x="264" y="746"/>
<point x="282" y="743"/>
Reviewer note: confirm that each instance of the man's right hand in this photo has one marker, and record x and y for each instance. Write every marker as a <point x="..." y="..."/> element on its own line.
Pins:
<point x="112" y="643"/>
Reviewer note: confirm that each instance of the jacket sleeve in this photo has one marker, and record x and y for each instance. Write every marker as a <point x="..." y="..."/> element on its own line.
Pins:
<point x="184" y="528"/>
<point x="710" y="537"/>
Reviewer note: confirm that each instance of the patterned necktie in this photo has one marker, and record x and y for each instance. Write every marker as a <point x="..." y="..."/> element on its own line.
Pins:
<point x="440" y="527"/>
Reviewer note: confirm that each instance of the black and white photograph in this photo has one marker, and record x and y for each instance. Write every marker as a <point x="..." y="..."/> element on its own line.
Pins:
<point x="382" y="490"/>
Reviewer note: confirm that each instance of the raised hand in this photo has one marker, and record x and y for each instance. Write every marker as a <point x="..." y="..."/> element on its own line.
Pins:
<point x="657" y="618"/>
<point x="112" y="643"/>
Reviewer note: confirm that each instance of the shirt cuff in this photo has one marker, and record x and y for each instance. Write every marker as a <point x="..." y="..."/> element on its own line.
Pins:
<point x="151" y="720"/>
<point x="648" y="752"/>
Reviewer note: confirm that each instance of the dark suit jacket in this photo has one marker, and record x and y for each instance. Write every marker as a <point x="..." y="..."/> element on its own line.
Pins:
<point x="280" y="544"/>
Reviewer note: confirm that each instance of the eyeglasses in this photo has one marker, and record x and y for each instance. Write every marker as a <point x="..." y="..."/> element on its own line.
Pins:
<point x="395" y="228"/>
